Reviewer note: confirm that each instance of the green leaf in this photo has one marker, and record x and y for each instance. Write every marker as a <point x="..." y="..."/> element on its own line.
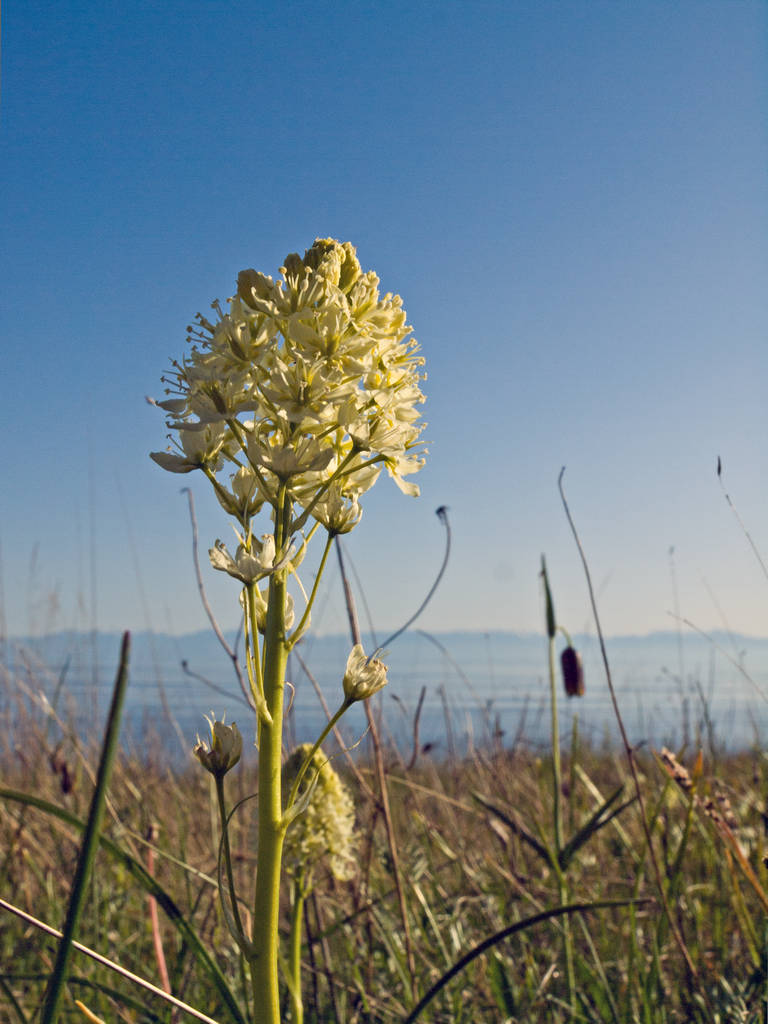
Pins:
<point x="148" y="883"/>
<point x="501" y="986"/>
<point x="550" y="607"/>
<point x="514" y="824"/>
<point x="593" y="824"/>
<point x="57" y="984"/>
<point x="505" y="933"/>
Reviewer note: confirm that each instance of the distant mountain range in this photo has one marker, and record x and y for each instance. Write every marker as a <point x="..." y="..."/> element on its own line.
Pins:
<point x="668" y="684"/>
<point x="159" y="653"/>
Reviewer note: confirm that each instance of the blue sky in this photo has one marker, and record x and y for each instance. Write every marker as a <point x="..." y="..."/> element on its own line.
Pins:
<point x="572" y="200"/>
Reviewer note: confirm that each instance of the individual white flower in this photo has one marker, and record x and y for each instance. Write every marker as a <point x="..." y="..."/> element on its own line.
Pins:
<point x="363" y="676"/>
<point x="287" y="460"/>
<point x="174" y="463"/>
<point x="252" y="564"/>
<point x="242" y="500"/>
<point x="199" y="446"/>
<point x="338" y="512"/>
<point x="402" y="466"/>
<point x="222" y="751"/>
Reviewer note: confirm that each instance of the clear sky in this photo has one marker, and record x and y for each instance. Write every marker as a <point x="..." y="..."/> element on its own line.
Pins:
<point x="572" y="199"/>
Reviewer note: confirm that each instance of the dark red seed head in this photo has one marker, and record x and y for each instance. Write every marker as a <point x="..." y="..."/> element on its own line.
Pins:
<point x="573" y="672"/>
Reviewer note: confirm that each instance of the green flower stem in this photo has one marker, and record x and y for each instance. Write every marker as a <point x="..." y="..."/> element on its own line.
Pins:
<point x="299" y="523"/>
<point x="283" y="532"/>
<point x="562" y="881"/>
<point x="368" y="462"/>
<point x="238" y="433"/>
<point x="556" y="766"/>
<point x="253" y="657"/>
<point x="297" y="633"/>
<point x="294" y="962"/>
<point x="270" y="826"/>
<point x="282" y="516"/>
<point x="228" y="855"/>
<point x="566" y="634"/>
<point x="317" y="744"/>
<point x="223" y="494"/>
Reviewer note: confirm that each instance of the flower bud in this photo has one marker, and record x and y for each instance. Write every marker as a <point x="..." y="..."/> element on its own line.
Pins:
<point x="363" y="676"/>
<point x="262" y="605"/>
<point x="573" y="672"/>
<point x="224" y="750"/>
<point x="251" y="284"/>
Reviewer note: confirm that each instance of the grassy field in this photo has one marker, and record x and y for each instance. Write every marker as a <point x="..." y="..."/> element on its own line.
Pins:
<point x="453" y="890"/>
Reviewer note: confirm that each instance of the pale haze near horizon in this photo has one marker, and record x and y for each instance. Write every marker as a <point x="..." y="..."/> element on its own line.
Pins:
<point x="572" y="201"/>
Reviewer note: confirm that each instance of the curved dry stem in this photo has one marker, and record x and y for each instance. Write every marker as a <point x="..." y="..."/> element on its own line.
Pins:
<point x="231" y="653"/>
<point x="442" y="515"/>
<point x="628" y="749"/>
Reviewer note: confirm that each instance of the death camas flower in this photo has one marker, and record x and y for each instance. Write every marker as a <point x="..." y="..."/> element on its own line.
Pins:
<point x="363" y="676"/>
<point x="222" y="751"/>
<point x="325" y="828"/>
<point x="300" y="391"/>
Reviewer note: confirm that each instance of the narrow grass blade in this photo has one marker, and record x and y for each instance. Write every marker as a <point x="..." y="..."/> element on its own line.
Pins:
<point x="593" y="824"/>
<point x="55" y="991"/>
<point x="124" y="972"/>
<point x="494" y="940"/>
<point x="515" y="825"/>
<point x="13" y="1001"/>
<point x="152" y="887"/>
<point x="501" y="986"/>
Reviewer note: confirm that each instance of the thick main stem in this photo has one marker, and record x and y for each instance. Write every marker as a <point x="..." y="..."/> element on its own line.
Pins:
<point x="267" y="900"/>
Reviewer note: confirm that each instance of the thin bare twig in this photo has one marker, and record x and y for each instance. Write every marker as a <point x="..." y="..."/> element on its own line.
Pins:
<point x="154" y="917"/>
<point x="629" y="750"/>
<point x="442" y="515"/>
<point x="123" y="971"/>
<point x="223" y="690"/>
<point x="231" y="652"/>
<point x="763" y="694"/>
<point x="416" y="717"/>
<point x="739" y="520"/>
<point x="325" y="949"/>
<point x="381" y="776"/>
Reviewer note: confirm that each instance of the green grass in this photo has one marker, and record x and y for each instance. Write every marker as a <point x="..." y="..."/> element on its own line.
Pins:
<point x="472" y="866"/>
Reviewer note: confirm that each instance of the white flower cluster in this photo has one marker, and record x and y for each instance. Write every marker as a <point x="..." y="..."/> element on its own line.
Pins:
<point x="305" y="388"/>
<point x="325" y="829"/>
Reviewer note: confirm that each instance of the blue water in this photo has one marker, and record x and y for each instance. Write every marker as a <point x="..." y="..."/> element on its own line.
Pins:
<point x="479" y="688"/>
